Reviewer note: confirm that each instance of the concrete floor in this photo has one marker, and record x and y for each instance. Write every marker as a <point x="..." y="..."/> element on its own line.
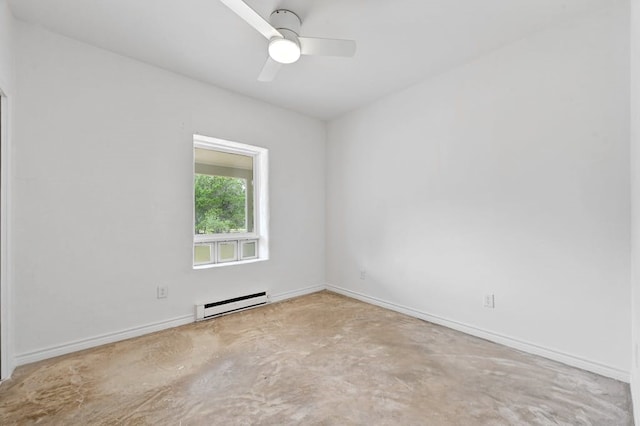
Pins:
<point x="319" y="359"/>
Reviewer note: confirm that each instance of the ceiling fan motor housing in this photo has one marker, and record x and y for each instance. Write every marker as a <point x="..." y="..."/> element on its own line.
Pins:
<point x="286" y="20"/>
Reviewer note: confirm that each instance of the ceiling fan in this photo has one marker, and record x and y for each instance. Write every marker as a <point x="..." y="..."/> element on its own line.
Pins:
<point x="285" y="43"/>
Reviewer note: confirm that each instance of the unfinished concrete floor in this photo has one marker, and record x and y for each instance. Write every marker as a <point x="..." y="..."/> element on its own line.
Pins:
<point x="318" y="359"/>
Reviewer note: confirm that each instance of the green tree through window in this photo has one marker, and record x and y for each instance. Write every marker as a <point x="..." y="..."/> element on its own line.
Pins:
<point x="220" y="204"/>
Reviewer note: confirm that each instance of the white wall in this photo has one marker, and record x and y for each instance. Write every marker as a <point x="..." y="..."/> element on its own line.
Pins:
<point x="103" y="195"/>
<point x="635" y="204"/>
<point x="7" y="88"/>
<point x="508" y="175"/>
<point x="6" y="45"/>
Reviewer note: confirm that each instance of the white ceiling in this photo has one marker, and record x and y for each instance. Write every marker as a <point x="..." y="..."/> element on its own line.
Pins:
<point x="400" y="42"/>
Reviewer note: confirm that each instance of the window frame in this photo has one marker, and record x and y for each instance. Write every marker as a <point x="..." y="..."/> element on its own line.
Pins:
<point x="260" y="232"/>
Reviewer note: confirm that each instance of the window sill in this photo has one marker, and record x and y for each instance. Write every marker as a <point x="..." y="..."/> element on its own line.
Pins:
<point x="220" y="264"/>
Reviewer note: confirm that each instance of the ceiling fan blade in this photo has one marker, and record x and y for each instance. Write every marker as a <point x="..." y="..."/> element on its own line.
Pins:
<point x="327" y="46"/>
<point x="252" y="18"/>
<point x="269" y="70"/>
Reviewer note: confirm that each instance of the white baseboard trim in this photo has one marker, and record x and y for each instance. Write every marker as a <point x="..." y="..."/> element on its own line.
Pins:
<point x="103" y="339"/>
<point x="531" y="348"/>
<point x="91" y="342"/>
<point x="562" y="357"/>
<point x="296" y="293"/>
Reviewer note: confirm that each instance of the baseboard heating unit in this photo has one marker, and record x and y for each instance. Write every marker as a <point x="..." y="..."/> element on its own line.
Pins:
<point x="214" y="309"/>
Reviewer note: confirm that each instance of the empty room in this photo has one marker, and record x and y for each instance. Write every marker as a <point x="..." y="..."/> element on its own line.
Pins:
<point x="319" y="212"/>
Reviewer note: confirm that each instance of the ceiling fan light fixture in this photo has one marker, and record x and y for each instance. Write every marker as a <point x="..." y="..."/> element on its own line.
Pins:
<point x="284" y="50"/>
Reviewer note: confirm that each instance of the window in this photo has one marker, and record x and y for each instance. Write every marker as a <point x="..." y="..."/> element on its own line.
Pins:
<point x="230" y="203"/>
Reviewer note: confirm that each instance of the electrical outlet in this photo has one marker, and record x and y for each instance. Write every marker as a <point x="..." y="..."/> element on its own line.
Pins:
<point x="163" y="292"/>
<point x="363" y="275"/>
<point x="489" y="301"/>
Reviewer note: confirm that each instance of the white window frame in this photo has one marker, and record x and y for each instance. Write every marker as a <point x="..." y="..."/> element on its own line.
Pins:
<point x="260" y="232"/>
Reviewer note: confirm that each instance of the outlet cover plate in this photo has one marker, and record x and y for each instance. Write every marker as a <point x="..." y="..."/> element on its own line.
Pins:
<point x="489" y="301"/>
<point x="163" y="292"/>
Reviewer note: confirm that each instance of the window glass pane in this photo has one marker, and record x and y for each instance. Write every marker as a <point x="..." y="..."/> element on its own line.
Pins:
<point x="221" y="204"/>
<point x="202" y="253"/>
<point x="248" y="249"/>
<point x="227" y="251"/>
<point x="223" y="192"/>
